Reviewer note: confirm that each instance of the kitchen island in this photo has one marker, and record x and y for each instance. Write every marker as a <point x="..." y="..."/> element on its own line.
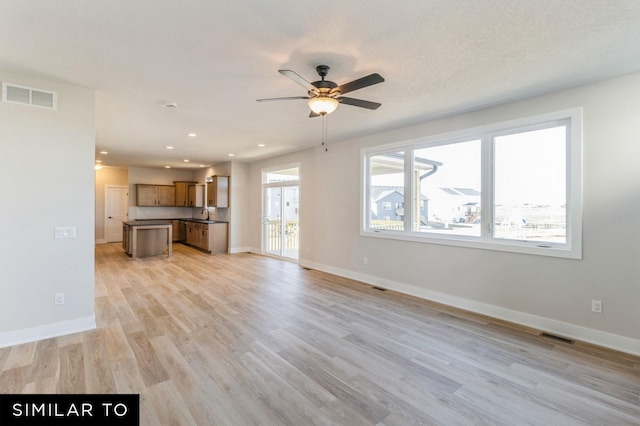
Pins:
<point x="143" y="238"/>
<point x="154" y="236"/>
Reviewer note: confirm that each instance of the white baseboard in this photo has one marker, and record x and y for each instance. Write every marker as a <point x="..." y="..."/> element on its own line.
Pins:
<point x="234" y="250"/>
<point x="101" y="241"/>
<point x="573" y="331"/>
<point x="18" y="337"/>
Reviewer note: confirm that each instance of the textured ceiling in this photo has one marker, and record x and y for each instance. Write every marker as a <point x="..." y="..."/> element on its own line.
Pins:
<point x="214" y="59"/>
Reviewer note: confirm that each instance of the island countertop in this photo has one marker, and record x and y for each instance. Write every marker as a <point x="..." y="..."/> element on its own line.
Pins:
<point x="148" y="222"/>
<point x="144" y="222"/>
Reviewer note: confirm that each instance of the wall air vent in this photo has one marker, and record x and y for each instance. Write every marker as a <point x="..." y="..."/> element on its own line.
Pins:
<point x="558" y="338"/>
<point x="29" y="96"/>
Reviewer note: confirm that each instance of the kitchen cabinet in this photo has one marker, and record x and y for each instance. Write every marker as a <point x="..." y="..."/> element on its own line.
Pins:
<point x="218" y="237"/>
<point x="202" y="236"/>
<point x="196" y="196"/>
<point x="182" y="192"/>
<point x="198" y="235"/>
<point x="218" y="192"/>
<point x="142" y="238"/>
<point x="192" y="232"/>
<point x="211" y="237"/>
<point x="125" y="238"/>
<point x="179" y="230"/>
<point x="155" y="195"/>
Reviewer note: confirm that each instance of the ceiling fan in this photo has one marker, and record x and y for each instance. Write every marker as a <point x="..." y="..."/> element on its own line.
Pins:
<point x="325" y="96"/>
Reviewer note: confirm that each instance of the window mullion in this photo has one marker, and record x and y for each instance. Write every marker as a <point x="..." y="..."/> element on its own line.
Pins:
<point x="408" y="191"/>
<point x="487" y="185"/>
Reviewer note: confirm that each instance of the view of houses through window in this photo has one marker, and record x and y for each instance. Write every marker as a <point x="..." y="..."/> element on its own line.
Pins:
<point x="387" y="190"/>
<point x="450" y="189"/>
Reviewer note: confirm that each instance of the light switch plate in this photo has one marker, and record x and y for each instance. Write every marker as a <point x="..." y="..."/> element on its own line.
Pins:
<point x="65" y="232"/>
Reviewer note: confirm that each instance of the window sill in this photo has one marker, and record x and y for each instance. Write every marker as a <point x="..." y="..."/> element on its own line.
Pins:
<point x="504" y="246"/>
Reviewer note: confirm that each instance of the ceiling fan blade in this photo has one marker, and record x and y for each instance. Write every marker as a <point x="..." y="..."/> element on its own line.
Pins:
<point x="313" y="114"/>
<point x="289" y="98"/>
<point x="369" y="80"/>
<point x="359" y="103"/>
<point x="292" y="75"/>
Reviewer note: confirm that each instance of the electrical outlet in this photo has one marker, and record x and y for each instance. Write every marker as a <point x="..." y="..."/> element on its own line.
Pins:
<point x="59" y="299"/>
<point x="365" y="260"/>
<point x="596" y="306"/>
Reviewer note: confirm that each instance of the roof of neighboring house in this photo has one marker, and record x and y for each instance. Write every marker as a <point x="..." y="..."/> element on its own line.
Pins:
<point x="380" y="192"/>
<point x="461" y="191"/>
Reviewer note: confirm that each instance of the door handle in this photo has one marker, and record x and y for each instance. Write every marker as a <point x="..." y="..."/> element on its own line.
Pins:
<point x="110" y="217"/>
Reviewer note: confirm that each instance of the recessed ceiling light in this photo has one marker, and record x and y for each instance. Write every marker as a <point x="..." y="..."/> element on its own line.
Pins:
<point x="169" y="147"/>
<point x="167" y="167"/>
<point x="261" y="145"/>
<point x="98" y="161"/>
<point x="202" y="165"/>
<point x="231" y="155"/>
<point x="97" y="167"/>
<point x="185" y="160"/>
<point x="192" y="135"/>
<point x="103" y="152"/>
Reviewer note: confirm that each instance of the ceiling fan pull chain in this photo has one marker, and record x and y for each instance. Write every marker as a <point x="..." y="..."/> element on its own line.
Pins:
<point x="324" y="132"/>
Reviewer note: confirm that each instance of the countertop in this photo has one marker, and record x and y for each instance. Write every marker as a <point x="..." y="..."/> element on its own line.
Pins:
<point x="143" y="222"/>
<point x="155" y="222"/>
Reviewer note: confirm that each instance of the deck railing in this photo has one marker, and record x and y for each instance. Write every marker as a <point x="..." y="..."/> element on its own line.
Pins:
<point x="274" y="235"/>
<point x="394" y="225"/>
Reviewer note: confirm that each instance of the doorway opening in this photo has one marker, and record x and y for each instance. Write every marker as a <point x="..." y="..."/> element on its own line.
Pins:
<point x="281" y="212"/>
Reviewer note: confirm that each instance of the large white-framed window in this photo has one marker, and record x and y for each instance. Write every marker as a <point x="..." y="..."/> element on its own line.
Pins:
<point x="512" y="186"/>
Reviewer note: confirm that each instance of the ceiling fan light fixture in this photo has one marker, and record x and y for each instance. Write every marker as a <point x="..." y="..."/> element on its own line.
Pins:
<point x="323" y="105"/>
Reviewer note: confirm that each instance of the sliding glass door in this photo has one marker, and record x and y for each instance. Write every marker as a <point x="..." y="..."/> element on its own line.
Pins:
<point x="281" y="212"/>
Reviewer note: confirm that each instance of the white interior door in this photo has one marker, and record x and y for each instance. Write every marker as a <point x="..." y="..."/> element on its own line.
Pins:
<point x="116" y="212"/>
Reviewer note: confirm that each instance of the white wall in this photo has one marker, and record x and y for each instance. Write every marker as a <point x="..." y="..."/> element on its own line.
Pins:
<point x="239" y="235"/>
<point x="547" y="293"/>
<point x="56" y="147"/>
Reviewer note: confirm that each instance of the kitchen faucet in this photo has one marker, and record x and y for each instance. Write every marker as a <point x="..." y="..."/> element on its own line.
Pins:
<point x="207" y="211"/>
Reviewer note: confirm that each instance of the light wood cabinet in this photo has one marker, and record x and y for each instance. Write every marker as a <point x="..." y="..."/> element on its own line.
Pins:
<point x="166" y="195"/>
<point x="182" y="192"/>
<point x="202" y="236"/>
<point x="179" y="230"/>
<point x="146" y="195"/>
<point x="192" y="232"/>
<point x="218" y="192"/>
<point x="196" y="196"/>
<point x="125" y="238"/>
<point x="212" y="237"/>
<point x="146" y="240"/>
<point x="155" y="195"/>
<point x="218" y="237"/>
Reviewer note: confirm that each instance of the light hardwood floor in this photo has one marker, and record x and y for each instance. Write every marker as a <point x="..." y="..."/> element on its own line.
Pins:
<point x="244" y="339"/>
